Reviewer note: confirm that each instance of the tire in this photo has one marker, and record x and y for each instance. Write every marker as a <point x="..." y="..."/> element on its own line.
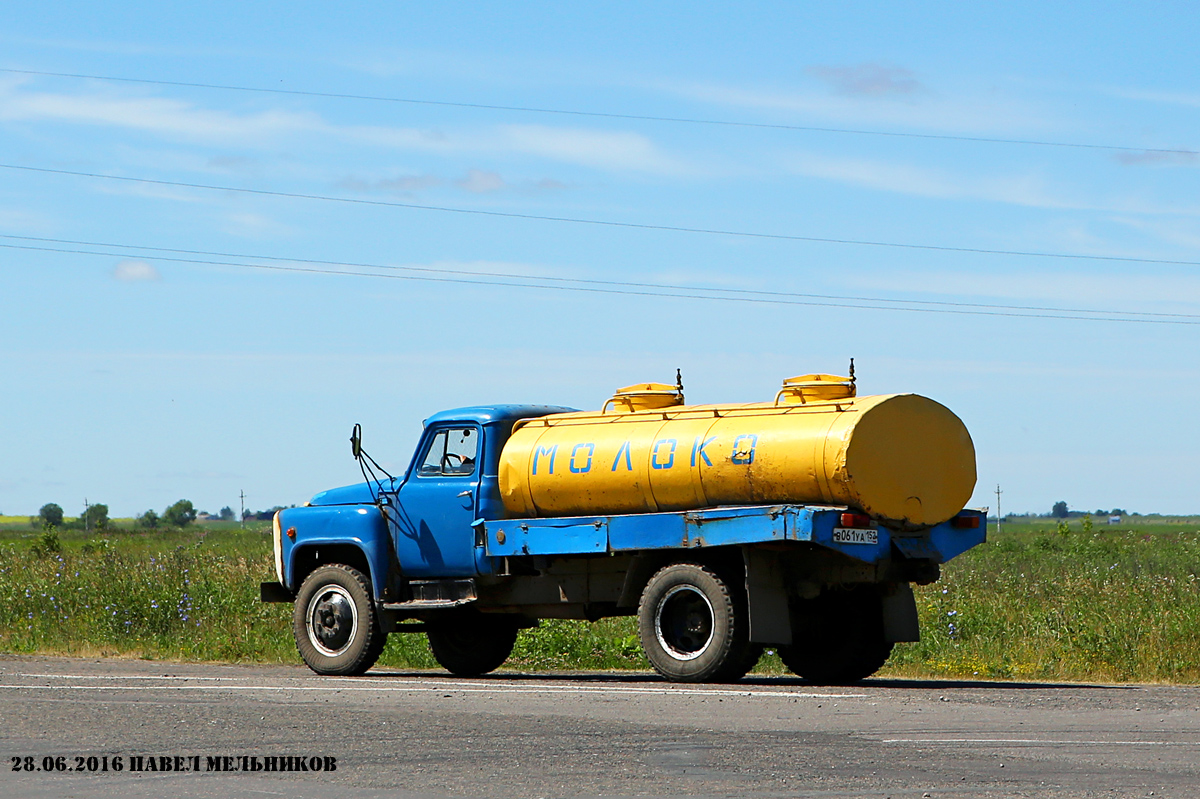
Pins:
<point x="837" y="638"/>
<point x="468" y="644"/>
<point x="334" y="622"/>
<point x="693" y="628"/>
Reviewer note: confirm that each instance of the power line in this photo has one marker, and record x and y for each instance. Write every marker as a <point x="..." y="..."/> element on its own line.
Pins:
<point x="607" y="115"/>
<point x="588" y="281"/>
<point x="533" y="282"/>
<point x="608" y="222"/>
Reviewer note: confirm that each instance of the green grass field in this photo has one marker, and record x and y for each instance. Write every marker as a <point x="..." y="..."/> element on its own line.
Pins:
<point x="1035" y="603"/>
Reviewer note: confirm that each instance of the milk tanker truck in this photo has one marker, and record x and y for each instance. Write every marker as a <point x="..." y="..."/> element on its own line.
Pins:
<point x="799" y="524"/>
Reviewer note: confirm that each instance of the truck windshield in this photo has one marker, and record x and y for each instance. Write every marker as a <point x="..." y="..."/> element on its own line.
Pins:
<point x="452" y="452"/>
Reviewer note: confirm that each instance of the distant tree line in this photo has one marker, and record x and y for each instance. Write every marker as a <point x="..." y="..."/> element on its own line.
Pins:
<point x="263" y="515"/>
<point x="178" y="514"/>
<point x="95" y="517"/>
<point x="1060" y="510"/>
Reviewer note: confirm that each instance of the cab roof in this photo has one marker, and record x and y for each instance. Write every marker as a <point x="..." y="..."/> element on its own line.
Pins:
<point x="492" y="414"/>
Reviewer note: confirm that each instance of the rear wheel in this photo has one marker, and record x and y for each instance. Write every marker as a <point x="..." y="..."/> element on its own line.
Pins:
<point x="334" y="622"/>
<point x="693" y="628"/>
<point x="738" y="670"/>
<point x="471" y="643"/>
<point x="837" y="638"/>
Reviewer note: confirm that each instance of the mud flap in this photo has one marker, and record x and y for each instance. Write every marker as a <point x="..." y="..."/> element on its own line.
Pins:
<point x="900" y="621"/>
<point x="274" y="592"/>
<point x="767" y="601"/>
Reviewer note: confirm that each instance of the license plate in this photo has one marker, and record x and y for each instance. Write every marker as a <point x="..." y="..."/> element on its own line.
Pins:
<point x="851" y="535"/>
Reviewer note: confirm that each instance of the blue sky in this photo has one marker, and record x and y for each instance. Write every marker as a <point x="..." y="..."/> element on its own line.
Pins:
<point x="135" y="380"/>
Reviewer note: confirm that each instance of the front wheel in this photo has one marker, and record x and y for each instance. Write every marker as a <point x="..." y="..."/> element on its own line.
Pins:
<point x="334" y="622"/>
<point x="693" y="628"/>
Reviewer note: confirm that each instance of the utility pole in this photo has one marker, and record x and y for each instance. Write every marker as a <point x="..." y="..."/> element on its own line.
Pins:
<point x="998" y="492"/>
<point x="87" y="522"/>
<point x="242" y="496"/>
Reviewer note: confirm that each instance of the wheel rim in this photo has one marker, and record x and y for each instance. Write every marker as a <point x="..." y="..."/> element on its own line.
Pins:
<point x="332" y="620"/>
<point x="683" y="622"/>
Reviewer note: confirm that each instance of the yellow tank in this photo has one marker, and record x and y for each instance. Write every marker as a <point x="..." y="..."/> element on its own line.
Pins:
<point x="904" y="459"/>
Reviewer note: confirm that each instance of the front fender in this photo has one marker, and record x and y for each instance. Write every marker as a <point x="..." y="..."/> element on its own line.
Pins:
<point x="305" y="530"/>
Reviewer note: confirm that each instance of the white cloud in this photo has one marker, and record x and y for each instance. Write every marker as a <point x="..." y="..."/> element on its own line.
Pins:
<point x="176" y="119"/>
<point x="1159" y="158"/>
<point x="1029" y="190"/>
<point x="133" y="271"/>
<point x="1179" y="232"/>
<point x="178" y="195"/>
<point x="233" y="164"/>
<point x="588" y="147"/>
<point x="405" y="184"/>
<point x="1073" y="289"/>
<point x="967" y="111"/>
<point x="252" y="225"/>
<point x="480" y="181"/>
<point x="873" y="80"/>
<point x="600" y="149"/>
<point x="410" y="182"/>
<point x="154" y="115"/>
<point x="1189" y="99"/>
<point x="28" y="221"/>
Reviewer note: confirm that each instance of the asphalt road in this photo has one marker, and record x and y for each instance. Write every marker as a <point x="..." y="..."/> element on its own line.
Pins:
<point x="409" y="735"/>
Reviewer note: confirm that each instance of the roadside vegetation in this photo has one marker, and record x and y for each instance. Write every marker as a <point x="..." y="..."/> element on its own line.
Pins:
<point x="1046" y="599"/>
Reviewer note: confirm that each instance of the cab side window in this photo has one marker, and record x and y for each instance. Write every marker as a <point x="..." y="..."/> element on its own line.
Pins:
<point x="452" y="452"/>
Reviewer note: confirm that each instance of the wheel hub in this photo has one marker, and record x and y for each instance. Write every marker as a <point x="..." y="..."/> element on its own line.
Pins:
<point x="332" y="619"/>
<point x="683" y="622"/>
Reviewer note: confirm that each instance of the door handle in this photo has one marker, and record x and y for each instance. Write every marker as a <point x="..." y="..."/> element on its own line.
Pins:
<point x="464" y="493"/>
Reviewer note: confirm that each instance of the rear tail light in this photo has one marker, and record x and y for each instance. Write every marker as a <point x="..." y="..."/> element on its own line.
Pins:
<point x="965" y="522"/>
<point x="856" y="520"/>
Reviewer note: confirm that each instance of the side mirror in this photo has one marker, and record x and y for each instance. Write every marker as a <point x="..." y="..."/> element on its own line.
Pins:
<point x="356" y="442"/>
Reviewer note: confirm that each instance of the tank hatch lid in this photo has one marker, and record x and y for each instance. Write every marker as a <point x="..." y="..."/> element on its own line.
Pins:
<point x="815" y="388"/>
<point x="644" y="397"/>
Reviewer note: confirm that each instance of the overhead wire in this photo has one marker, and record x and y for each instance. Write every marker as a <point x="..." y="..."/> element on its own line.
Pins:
<point x="605" y="222"/>
<point x="589" y="281"/>
<point x="655" y="289"/>
<point x="607" y="115"/>
<point x="622" y="288"/>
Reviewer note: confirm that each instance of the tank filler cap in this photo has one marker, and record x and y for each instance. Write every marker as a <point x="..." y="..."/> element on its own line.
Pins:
<point x="815" y="388"/>
<point x="645" y="397"/>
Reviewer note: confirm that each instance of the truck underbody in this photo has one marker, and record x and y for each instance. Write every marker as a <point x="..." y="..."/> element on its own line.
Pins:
<point x="711" y="588"/>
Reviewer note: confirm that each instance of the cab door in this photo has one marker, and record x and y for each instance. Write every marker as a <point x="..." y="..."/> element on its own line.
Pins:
<point x="436" y="504"/>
